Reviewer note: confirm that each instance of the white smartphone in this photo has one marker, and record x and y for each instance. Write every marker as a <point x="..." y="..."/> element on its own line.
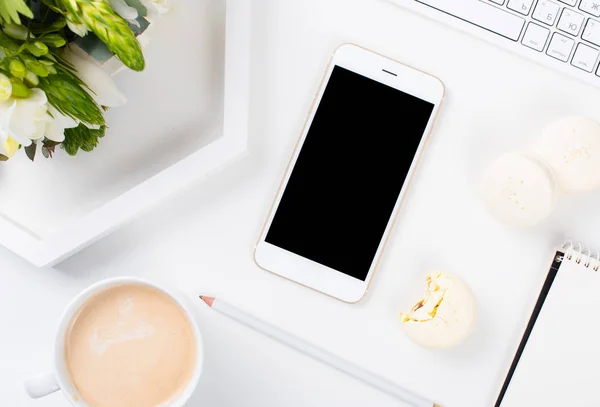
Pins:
<point x="345" y="181"/>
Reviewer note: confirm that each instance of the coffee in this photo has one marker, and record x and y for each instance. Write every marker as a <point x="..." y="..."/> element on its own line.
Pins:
<point x="130" y="345"/>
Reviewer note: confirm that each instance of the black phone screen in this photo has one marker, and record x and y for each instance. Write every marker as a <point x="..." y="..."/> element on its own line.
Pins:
<point x="349" y="173"/>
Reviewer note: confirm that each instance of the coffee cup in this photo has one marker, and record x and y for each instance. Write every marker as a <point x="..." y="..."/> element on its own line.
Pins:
<point x="124" y="317"/>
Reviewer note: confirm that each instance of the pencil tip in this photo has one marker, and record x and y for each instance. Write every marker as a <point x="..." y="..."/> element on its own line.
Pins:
<point x="208" y="300"/>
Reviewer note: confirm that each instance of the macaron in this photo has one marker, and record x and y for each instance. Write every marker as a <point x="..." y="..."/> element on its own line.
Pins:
<point x="519" y="190"/>
<point x="445" y="316"/>
<point x="571" y="146"/>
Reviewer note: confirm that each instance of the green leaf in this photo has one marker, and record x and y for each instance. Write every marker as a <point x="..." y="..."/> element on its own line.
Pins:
<point x="30" y="151"/>
<point x="69" y="97"/>
<point x="9" y="46"/>
<point x="43" y="28"/>
<point x="48" y="147"/>
<point x="69" y="70"/>
<point x="3" y="157"/>
<point x="51" y="4"/>
<point x="81" y="137"/>
<point x="17" y="32"/>
<point x="10" y="10"/>
<point x="50" y="57"/>
<point x="50" y="143"/>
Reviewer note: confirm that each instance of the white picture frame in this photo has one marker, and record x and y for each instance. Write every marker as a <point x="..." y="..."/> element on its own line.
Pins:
<point x="50" y="250"/>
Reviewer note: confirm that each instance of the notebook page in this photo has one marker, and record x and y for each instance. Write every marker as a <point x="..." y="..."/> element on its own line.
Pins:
<point x="560" y="365"/>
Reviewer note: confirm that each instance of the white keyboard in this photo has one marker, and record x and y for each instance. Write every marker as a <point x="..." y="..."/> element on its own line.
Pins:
<point x="562" y="34"/>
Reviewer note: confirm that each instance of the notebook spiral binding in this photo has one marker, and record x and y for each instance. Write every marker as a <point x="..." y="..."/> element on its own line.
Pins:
<point x="581" y="254"/>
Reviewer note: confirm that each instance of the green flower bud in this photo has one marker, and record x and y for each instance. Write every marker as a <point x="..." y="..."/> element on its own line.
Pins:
<point x="99" y="17"/>
<point x="58" y="24"/>
<point x="19" y="90"/>
<point x="5" y="88"/>
<point x="37" y="68"/>
<point x="37" y="48"/>
<point x="50" y="57"/>
<point x="45" y="62"/>
<point x="32" y="79"/>
<point x="18" y="32"/>
<point x="54" y="40"/>
<point x="26" y="58"/>
<point x="51" y="70"/>
<point x="17" y="68"/>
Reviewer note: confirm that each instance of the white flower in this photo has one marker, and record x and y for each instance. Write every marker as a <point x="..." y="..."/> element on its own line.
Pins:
<point x="24" y="119"/>
<point x="160" y="6"/>
<point x="124" y="10"/>
<point x="27" y="120"/>
<point x="55" y="129"/>
<point x="5" y="88"/>
<point x="79" y="29"/>
<point x="131" y="14"/>
<point x="104" y="90"/>
<point x="30" y="119"/>
<point x="10" y="147"/>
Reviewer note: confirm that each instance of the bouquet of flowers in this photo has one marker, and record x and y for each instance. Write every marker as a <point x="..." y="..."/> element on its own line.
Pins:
<point x="50" y="96"/>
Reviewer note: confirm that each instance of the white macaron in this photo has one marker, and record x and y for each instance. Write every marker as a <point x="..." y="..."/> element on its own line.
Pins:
<point x="445" y="316"/>
<point x="519" y="190"/>
<point x="571" y="146"/>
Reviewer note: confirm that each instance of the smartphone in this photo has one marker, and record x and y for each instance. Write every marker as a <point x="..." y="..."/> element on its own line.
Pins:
<point x="351" y="167"/>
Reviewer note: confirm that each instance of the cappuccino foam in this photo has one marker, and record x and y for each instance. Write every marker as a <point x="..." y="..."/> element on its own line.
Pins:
<point x="130" y="345"/>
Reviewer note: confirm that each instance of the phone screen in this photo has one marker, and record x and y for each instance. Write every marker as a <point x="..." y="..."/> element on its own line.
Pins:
<point x="349" y="173"/>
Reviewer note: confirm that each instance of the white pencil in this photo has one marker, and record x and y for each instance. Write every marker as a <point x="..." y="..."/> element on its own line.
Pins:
<point x="317" y="353"/>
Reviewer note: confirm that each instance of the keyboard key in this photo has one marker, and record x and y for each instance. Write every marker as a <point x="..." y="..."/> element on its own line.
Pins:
<point x="591" y="32"/>
<point x="591" y="6"/>
<point x="481" y="14"/>
<point x="560" y="47"/>
<point x="585" y="57"/>
<point x="520" y="6"/>
<point x="546" y="11"/>
<point x="556" y="35"/>
<point x="570" y="22"/>
<point x="535" y="37"/>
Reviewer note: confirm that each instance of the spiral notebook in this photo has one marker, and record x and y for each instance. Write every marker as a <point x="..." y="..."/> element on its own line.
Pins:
<point x="557" y="363"/>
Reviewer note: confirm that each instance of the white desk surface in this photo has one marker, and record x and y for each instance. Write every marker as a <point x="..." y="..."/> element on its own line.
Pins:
<point x="202" y="240"/>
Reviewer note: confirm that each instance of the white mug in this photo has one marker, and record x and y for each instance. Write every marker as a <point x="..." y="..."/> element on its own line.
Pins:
<point x="58" y="379"/>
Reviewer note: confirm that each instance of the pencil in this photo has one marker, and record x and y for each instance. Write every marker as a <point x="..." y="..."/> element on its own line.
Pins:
<point x="317" y="353"/>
